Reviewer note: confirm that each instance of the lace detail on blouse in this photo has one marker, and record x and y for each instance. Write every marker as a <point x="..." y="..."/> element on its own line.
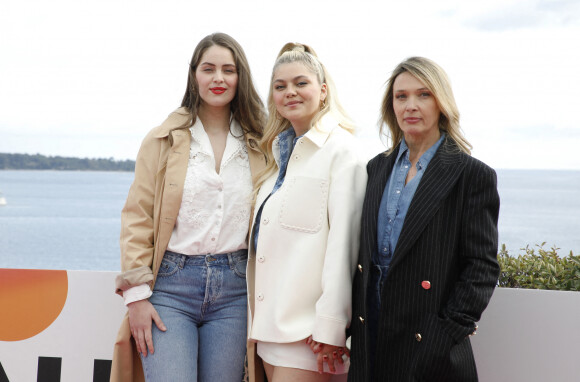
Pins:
<point x="215" y="208"/>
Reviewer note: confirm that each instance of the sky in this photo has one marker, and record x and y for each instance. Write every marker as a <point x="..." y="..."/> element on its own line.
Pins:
<point x="88" y="78"/>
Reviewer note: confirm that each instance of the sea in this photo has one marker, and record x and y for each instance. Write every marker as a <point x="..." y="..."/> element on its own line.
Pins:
<point x="71" y="219"/>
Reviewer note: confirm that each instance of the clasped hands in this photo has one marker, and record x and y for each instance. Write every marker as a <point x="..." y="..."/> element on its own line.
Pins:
<point x="327" y="353"/>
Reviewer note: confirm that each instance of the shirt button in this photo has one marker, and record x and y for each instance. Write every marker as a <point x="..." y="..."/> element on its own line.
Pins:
<point x="219" y="206"/>
<point x="220" y="189"/>
<point x="398" y="191"/>
<point x="296" y="157"/>
<point x="260" y="297"/>
<point x="266" y="221"/>
<point x="213" y="239"/>
<point x="261" y="258"/>
<point x="385" y="250"/>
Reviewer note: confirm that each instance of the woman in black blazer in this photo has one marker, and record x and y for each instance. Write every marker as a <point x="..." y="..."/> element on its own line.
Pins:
<point x="428" y="249"/>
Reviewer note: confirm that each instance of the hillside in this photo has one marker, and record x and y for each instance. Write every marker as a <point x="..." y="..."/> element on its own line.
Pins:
<point x="42" y="162"/>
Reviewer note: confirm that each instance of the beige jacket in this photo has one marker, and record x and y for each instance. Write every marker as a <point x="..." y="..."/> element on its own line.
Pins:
<point x="300" y="278"/>
<point x="148" y="218"/>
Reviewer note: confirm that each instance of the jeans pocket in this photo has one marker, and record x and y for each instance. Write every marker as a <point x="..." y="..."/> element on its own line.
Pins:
<point x="168" y="266"/>
<point x="239" y="267"/>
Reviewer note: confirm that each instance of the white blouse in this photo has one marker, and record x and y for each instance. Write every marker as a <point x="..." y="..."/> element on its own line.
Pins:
<point x="215" y="208"/>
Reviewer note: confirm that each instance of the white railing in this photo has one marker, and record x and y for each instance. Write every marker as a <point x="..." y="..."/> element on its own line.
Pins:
<point x="524" y="335"/>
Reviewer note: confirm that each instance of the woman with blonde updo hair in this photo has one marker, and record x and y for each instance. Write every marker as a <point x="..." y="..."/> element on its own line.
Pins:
<point x="304" y="239"/>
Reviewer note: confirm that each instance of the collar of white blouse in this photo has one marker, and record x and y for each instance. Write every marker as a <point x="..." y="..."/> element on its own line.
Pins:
<point x="200" y="142"/>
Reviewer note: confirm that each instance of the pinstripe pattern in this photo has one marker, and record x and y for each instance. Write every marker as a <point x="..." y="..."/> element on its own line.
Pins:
<point x="449" y="238"/>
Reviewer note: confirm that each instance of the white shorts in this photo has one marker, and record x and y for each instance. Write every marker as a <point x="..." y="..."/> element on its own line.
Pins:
<point x="297" y="355"/>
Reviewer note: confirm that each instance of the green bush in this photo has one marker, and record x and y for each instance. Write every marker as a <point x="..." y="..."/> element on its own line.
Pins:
<point x="541" y="269"/>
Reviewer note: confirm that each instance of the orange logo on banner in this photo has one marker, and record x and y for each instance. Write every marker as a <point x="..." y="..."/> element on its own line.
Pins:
<point x="31" y="300"/>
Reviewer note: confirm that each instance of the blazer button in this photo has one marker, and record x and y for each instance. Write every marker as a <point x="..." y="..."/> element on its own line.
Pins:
<point x="426" y="284"/>
<point x="360" y="268"/>
<point x="260" y="297"/>
<point x="261" y="258"/>
<point x="418" y="337"/>
<point x="362" y="320"/>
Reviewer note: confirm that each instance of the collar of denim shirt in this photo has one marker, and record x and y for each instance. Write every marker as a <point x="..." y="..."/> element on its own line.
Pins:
<point x="423" y="162"/>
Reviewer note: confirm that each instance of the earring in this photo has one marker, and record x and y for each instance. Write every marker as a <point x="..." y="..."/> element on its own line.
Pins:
<point x="322" y="104"/>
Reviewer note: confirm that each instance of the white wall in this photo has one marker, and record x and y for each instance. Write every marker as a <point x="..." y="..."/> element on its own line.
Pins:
<point x="529" y="335"/>
<point x="524" y="335"/>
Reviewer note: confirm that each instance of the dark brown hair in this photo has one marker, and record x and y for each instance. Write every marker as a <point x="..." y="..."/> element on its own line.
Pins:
<point x="246" y="106"/>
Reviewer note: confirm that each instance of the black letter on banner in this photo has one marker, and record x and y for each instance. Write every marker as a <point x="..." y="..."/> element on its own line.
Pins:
<point x="3" y="376"/>
<point x="101" y="370"/>
<point x="48" y="369"/>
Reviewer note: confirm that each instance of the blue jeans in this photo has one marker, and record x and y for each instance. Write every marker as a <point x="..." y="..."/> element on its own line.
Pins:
<point x="202" y="301"/>
<point x="377" y="278"/>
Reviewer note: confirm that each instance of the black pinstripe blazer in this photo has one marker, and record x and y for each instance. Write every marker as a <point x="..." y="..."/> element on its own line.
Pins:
<point x="441" y="276"/>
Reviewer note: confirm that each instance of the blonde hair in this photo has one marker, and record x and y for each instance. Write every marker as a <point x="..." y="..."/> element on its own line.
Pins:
<point x="436" y="80"/>
<point x="304" y="54"/>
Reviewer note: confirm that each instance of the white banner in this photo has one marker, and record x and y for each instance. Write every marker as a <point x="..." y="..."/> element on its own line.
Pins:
<point x="57" y="325"/>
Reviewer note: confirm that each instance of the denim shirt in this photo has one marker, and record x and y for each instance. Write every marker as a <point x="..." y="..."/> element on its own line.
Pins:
<point x="397" y="198"/>
<point x="393" y="209"/>
<point x="286" y="141"/>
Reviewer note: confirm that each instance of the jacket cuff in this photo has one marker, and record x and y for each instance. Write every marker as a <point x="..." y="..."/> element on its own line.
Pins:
<point x="456" y="331"/>
<point x="132" y="278"/>
<point x="329" y="331"/>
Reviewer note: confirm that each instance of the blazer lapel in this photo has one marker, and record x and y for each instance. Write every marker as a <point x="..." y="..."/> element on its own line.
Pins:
<point x="438" y="180"/>
<point x="378" y="176"/>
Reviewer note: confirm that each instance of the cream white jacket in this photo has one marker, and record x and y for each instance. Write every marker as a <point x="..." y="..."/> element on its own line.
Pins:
<point x="300" y="278"/>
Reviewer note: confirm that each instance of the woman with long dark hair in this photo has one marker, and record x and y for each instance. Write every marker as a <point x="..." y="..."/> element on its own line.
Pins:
<point x="185" y="226"/>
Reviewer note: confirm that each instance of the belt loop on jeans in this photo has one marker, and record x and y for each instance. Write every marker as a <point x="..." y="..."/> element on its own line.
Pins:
<point x="182" y="259"/>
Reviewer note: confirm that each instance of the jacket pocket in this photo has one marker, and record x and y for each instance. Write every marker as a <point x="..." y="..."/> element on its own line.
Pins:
<point x="435" y="358"/>
<point x="304" y="204"/>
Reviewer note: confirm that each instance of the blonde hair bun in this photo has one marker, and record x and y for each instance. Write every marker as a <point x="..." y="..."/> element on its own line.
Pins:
<point x="297" y="47"/>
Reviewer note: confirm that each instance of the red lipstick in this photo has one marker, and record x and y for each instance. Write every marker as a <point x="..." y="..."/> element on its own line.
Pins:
<point x="217" y="90"/>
